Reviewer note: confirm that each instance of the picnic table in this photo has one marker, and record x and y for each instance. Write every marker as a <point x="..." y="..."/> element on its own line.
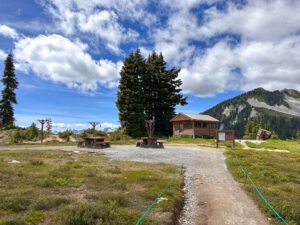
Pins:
<point x="94" y="142"/>
<point x="150" y="142"/>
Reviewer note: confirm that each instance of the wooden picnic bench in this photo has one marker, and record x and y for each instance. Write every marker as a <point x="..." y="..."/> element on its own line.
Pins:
<point x="150" y="142"/>
<point x="94" y="142"/>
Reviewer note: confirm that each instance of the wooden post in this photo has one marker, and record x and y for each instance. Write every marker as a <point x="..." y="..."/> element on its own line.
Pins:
<point x="42" y="129"/>
<point x="193" y="123"/>
<point x="94" y="124"/>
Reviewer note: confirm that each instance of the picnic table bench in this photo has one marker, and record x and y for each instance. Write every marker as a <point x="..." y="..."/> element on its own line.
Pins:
<point x="150" y="142"/>
<point x="94" y="142"/>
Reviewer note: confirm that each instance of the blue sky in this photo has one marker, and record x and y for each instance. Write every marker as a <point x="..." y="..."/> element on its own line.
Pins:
<point x="68" y="53"/>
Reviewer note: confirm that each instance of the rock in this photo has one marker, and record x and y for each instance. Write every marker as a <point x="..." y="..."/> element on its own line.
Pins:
<point x="14" y="162"/>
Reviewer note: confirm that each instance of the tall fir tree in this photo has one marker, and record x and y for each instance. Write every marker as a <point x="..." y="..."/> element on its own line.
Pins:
<point x="49" y="125"/>
<point x="162" y="91"/>
<point x="10" y="83"/>
<point x="130" y="99"/>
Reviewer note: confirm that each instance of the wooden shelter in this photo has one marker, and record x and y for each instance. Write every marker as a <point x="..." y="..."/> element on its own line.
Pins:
<point x="194" y="125"/>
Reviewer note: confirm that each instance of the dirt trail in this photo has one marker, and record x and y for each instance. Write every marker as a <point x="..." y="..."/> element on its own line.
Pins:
<point x="212" y="196"/>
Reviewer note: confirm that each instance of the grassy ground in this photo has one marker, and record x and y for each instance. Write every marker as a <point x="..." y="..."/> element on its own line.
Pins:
<point x="56" y="187"/>
<point x="50" y="143"/>
<point x="276" y="174"/>
<point x="129" y="141"/>
<point x="190" y="140"/>
<point x="293" y="146"/>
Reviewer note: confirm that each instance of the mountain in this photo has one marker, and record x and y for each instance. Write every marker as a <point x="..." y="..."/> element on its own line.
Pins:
<point x="279" y="110"/>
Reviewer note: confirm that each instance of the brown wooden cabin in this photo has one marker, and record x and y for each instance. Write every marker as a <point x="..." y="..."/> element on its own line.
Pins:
<point x="194" y="125"/>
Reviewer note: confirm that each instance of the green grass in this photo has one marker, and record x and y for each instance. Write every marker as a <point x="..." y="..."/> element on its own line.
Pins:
<point x="123" y="142"/>
<point x="293" y="146"/>
<point x="50" y="143"/>
<point x="190" y="140"/>
<point x="64" y="188"/>
<point x="276" y="174"/>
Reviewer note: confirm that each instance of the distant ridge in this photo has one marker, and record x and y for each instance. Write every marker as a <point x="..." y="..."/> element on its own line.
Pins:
<point x="279" y="109"/>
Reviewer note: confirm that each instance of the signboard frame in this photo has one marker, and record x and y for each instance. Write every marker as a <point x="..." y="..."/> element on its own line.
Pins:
<point x="225" y="136"/>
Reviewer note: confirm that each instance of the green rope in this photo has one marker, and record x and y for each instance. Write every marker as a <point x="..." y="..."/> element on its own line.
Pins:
<point x="247" y="174"/>
<point x="150" y="207"/>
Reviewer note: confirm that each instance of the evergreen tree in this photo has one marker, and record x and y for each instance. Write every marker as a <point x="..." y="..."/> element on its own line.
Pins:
<point x="130" y="99"/>
<point x="161" y="89"/>
<point x="49" y="125"/>
<point x="298" y="135"/>
<point x="10" y="83"/>
<point x="32" y="132"/>
<point x="148" y="90"/>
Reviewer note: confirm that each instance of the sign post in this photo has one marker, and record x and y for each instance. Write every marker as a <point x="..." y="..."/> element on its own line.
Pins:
<point x="225" y="136"/>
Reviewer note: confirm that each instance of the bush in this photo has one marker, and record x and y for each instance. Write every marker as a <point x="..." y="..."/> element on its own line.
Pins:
<point x="91" y="132"/>
<point x="15" y="204"/>
<point x="65" y="134"/>
<point x="298" y="135"/>
<point x="18" y="135"/>
<point x="50" y="203"/>
<point x="17" y="221"/>
<point x="37" y="162"/>
<point x="100" y="213"/>
<point x="119" y="135"/>
<point x="34" y="217"/>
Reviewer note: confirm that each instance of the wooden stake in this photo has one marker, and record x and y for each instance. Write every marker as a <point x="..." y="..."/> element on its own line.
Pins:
<point x="42" y="129"/>
<point x="94" y="124"/>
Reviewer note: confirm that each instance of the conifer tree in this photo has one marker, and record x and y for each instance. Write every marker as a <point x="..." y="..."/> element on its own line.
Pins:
<point x="49" y="125"/>
<point x="32" y="132"/>
<point x="130" y="99"/>
<point x="10" y="83"/>
<point x="162" y="90"/>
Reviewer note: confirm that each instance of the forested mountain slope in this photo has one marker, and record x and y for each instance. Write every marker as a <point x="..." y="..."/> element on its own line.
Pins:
<point x="280" y="110"/>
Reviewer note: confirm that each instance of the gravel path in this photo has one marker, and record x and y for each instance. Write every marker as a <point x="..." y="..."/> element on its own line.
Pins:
<point x="212" y="196"/>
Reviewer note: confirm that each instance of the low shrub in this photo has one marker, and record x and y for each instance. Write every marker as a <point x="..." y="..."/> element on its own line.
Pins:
<point x="16" y="221"/>
<point x="101" y="213"/>
<point x="37" y="162"/>
<point x="50" y="203"/>
<point x="34" y="217"/>
<point x="15" y="204"/>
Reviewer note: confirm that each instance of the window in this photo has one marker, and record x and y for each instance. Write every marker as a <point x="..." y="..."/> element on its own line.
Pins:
<point x="187" y="125"/>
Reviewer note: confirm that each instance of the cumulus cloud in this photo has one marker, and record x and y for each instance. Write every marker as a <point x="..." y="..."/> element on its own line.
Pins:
<point x="261" y="20"/>
<point x="238" y="46"/>
<point x="70" y="125"/>
<point x="8" y="32"/>
<point x="64" y="126"/>
<point x="61" y="60"/>
<point x="101" y="18"/>
<point x="211" y="72"/>
<point x="264" y="49"/>
<point x="3" y="54"/>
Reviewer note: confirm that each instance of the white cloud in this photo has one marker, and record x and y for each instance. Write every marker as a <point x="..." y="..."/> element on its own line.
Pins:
<point x="59" y="59"/>
<point x="110" y="126"/>
<point x="267" y="54"/>
<point x="259" y="20"/>
<point x="273" y="66"/>
<point x="76" y="126"/>
<point x="3" y="54"/>
<point x="70" y="125"/>
<point x="8" y="32"/>
<point x="210" y="73"/>
<point x="101" y="18"/>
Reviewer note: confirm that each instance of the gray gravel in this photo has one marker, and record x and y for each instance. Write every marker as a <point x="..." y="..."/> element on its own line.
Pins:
<point x="212" y="196"/>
